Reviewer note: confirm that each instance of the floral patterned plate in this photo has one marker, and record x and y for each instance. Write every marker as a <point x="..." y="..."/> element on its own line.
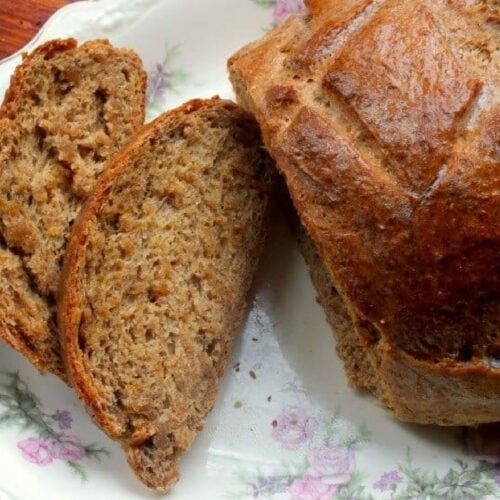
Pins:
<point x="286" y="425"/>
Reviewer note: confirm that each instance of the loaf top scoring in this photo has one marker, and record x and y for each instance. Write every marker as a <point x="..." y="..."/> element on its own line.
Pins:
<point x="389" y="112"/>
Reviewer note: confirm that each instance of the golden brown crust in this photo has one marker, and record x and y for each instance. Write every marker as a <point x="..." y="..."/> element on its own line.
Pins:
<point x="384" y="120"/>
<point x="412" y="389"/>
<point x="335" y="8"/>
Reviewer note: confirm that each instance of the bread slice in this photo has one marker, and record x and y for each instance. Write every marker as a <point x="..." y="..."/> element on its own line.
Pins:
<point x="68" y="110"/>
<point x="384" y="118"/>
<point x="156" y="275"/>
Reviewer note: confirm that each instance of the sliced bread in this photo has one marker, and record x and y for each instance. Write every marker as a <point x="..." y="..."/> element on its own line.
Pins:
<point x="158" y="267"/>
<point x="68" y="110"/>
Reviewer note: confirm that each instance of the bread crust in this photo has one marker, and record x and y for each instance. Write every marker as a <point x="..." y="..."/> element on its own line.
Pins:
<point x="155" y="439"/>
<point x="384" y="118"/>
<point x="54" y="144"/>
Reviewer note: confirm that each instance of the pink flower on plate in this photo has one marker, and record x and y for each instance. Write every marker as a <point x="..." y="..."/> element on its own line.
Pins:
<point x="284" y="8"/>
<point x="293" y="427"/>
<point x="69" y="449"/>
<point x="310" y="487"/>
<point x="39" y="451"/>
<point x="334" y="465"/>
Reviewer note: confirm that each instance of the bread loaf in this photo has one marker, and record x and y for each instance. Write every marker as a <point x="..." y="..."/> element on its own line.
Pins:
<point x="384" y="117"/>
<point x="156" y="275"/>
<point x="67" y="111"/>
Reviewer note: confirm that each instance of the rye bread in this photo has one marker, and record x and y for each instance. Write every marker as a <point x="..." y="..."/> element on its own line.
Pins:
<point x="68" y="110"/>
<point x="156" y="275"/>
<point x="384" y="117"/>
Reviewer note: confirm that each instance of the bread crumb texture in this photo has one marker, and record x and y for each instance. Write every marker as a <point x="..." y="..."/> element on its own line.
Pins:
<point x="67" y="111"/>
<point x="163" y="260"/>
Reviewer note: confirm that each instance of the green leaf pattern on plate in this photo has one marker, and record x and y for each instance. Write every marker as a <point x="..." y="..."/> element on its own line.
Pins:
<point x="20" y="407"/>
<point x="328" y="468"/>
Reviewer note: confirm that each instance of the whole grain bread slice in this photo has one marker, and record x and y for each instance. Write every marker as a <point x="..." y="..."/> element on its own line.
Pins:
<point x="158" y="267"/>
<point x="68" y="110"/>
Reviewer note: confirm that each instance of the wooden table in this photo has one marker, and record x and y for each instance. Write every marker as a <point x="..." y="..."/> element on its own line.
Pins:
<point x="21" y="19"/>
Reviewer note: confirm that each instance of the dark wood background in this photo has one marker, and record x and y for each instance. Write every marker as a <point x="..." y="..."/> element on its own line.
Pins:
<point x="21" y="19"/>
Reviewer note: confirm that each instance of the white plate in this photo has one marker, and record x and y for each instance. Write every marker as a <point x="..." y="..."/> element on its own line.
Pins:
<point x="285" y="424"/>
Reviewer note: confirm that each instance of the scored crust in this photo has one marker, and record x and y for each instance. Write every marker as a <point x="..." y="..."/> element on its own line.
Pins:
<point x="384" y="117"/>
<point x="155" y="279"/>
<point x="68" y="110"/>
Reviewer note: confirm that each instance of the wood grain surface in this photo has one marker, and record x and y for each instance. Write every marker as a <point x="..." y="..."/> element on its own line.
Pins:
<point x="20" y="20"/>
